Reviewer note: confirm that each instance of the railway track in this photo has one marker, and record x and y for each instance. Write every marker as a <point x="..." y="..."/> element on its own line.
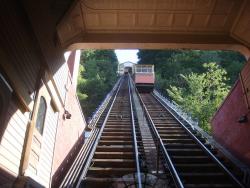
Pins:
<point x="191" y="163"/>
<point x="137" y="142"/>
<point x="115" y="161"/>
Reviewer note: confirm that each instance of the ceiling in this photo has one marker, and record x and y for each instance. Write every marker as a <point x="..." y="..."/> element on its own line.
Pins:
<point x="172" y="22"/>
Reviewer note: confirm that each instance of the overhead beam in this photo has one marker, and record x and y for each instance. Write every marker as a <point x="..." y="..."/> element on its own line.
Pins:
<point x="156" y="41"/>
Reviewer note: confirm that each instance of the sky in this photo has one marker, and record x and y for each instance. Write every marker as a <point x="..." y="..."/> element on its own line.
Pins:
<point x="126" y="55"/>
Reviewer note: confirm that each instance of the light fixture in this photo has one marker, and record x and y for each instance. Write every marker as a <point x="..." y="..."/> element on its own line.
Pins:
<point x="67" y="115"/>
<point x="243" y="119"/>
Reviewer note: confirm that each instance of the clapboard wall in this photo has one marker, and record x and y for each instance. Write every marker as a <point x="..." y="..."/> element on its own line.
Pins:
<point x="42" y="174"/>
<point x="20" y="62"/>
<point x="28" y="45"/>
<point x="12" y="140"/>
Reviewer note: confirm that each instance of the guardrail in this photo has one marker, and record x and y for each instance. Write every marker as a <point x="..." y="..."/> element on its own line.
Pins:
<point x="80" y="161"/>
<point x="201" y="144"/>
<point x="187" y="119"/>
<point x="177" y="109"/>
<point x="94" y="145"/>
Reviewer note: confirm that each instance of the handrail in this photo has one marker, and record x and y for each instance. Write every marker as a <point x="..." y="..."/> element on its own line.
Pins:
<point x="134" y="137"/>
<point x="177" y="109"/>
<point x="78" y="163"/>
<point x="76" y="166"/>
<point x="172" y="169"/>
<point x="201" y="144"/>
<point x="84" y="172"/>
<point x="187" y="119"/>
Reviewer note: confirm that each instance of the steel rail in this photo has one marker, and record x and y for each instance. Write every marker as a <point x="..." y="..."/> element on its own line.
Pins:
<point x="84" y="172"/>
<point x="138" y="171"/>
<point x="200" y="143"/>
<point x="77" y="165"/>
<point x="172" y="169"/>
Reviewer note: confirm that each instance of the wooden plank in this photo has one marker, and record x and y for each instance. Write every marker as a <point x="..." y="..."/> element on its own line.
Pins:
<point x="9" y="165"/>
<point x="8" y="143"/>
<point x="5" y="152"/>
<point x="110" y="171"/>
<point x="11" y="132"/>
<point x="19" y="119"/>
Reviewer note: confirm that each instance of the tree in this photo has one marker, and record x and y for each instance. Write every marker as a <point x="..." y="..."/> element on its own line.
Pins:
<point x="189" y="89"/>
<point x="97" y="75"/>
<point x="203" y="93"/>
<point x="171" y="63"/>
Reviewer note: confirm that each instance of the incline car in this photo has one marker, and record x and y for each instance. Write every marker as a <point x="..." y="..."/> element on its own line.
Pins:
<point x="127" y="70"/>
<point x="144" y="77"/>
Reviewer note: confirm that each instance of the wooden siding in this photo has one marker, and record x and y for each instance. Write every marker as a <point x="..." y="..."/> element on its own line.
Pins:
<point x="13" y="138"/>
<point x="42" y="172"/>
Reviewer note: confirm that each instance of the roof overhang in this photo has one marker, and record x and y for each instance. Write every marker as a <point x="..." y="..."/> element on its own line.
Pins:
<point x="154" y="24"/>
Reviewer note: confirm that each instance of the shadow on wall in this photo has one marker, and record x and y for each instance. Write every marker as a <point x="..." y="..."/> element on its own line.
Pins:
<point x="6" y="179"/>
<point x="5" y="98"/>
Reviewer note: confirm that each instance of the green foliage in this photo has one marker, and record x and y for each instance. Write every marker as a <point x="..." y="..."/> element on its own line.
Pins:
<point x="97" y="75"/>
<point x="203" y="94"/>
<point x="188" y="77"/>
<point x="169" y="64"/>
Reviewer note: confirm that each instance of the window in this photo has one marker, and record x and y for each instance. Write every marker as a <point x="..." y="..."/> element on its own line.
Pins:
<point x="138" y="69"/>
<point x="144" y="69"/>
<point x="41" y="115"/>
<point x="150" y="69"/>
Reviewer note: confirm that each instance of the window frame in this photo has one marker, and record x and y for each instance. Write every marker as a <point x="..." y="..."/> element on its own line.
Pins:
<point x="41" y="129"/>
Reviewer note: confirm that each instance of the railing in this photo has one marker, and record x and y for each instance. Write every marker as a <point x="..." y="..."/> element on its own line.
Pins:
<point x="201" y="144"/>
<point x="138" y="171"/>
<point x="73" y="174"/>
<point x="177" y="109"/>
<point x="186" y="118"/>
<point x="93" y="148"/>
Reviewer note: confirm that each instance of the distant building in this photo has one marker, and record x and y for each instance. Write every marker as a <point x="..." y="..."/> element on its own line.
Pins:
<point x="125" y="66"/>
